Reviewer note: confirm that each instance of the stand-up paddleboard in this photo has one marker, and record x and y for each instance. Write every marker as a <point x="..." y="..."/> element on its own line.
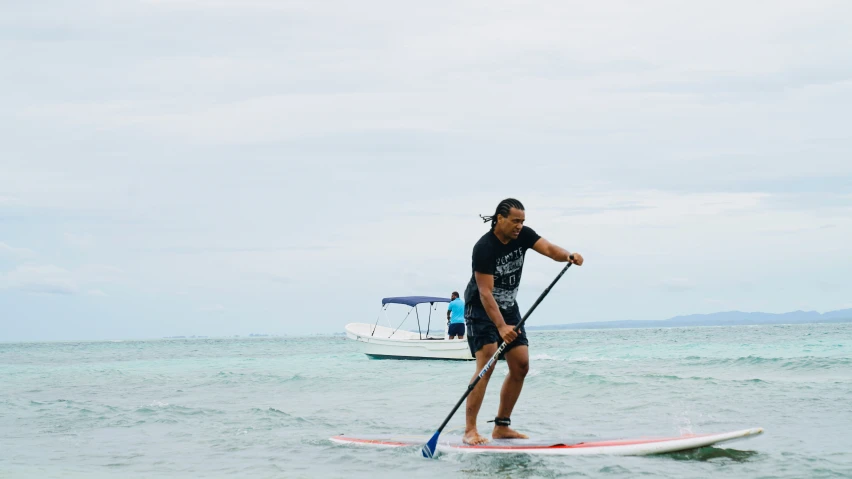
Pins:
<point x="622" y="447"/>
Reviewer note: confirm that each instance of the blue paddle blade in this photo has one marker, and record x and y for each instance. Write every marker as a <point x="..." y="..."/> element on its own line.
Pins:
<point x="428" y="450"/>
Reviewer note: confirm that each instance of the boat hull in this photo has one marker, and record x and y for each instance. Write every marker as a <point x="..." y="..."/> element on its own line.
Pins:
<point x="385" y="343"/>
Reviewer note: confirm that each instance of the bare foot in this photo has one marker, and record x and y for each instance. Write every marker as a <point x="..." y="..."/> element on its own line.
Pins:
<point x="505" y="432"/>
<point x="473" y="438"/>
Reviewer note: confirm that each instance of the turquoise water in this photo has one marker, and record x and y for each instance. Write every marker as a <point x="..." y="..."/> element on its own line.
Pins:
<point x="266" y="407"/>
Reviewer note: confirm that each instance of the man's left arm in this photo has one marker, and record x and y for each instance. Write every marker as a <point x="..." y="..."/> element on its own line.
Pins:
<point x="557" y="253"/>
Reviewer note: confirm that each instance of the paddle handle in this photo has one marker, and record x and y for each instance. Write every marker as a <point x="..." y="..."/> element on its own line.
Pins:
<point x="502" y="347"/>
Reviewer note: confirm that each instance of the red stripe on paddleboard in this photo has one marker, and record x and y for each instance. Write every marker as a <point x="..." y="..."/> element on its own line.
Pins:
<point x="628" y="442"/>
<point x="622" y="442"/>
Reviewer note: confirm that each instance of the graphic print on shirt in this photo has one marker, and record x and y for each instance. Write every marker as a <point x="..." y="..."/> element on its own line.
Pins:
<point x="507" y="275"/>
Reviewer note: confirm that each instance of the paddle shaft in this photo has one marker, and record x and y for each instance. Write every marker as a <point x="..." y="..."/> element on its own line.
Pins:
<point x="499" y="350"/>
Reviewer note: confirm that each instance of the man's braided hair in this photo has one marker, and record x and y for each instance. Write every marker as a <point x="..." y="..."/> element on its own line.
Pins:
<point x="502" y="210"/>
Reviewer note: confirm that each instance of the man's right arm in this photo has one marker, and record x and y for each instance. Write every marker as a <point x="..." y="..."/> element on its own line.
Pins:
<point x="485" y="284"/>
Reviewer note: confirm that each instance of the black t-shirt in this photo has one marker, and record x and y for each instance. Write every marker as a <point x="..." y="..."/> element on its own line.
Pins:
<point x="505" y="262"/>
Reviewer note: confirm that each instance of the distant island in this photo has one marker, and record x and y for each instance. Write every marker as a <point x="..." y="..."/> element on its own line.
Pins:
<point x="728" y="318"/>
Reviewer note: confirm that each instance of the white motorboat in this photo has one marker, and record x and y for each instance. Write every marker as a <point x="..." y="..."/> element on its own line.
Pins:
<point x="387" y="342"/>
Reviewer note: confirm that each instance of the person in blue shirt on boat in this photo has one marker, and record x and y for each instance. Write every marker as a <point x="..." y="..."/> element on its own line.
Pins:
<point x="455" y="317"/>
<point x="491" y="310"/>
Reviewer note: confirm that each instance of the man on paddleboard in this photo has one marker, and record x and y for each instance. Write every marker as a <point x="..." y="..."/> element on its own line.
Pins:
<point x="491" y="311"/>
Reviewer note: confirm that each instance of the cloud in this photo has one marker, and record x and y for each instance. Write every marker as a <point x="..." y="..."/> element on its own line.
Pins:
<point x="678" y="285"/>
<point x="99" y="273"/>
<point x="47" y="279"/>
<point x="591" y="210"/>
<point x="212" y="308"/>
<point x="272" y="277"/>
<point x="52" y="279"/>
<point x="80" y="240"/>
<point x="203" y="249"/>
<point x="19" y="253"/>
<point x="355" y="144"/>
<point x="49" y="287"/>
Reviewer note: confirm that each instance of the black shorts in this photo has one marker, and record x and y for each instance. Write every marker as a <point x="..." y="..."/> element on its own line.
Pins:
<point x="456" y="329"/>
<point x="482" y="331"/>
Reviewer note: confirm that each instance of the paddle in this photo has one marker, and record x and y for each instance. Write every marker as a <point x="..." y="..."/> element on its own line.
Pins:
<point x="429" y="448"/>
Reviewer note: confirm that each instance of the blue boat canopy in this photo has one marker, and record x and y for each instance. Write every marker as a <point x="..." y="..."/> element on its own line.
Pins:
<point x="414" y="300"/>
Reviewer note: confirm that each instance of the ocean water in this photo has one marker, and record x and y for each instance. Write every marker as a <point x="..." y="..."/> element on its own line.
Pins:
<point x="265" y="407"/>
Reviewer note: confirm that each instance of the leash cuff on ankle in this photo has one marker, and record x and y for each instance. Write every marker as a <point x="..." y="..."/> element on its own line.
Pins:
<point x="502" y="421"/>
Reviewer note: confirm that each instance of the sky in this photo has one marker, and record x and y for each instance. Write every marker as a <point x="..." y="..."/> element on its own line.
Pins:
<point x="224" y="167"/>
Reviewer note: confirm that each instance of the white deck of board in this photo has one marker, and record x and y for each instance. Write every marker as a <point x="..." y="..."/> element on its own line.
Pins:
<point x="635" y="447"/>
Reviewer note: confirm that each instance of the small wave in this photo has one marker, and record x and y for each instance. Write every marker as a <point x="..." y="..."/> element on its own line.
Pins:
<point x="614" y="470"/>
<point x="579" y="359"/>
<point x="586" y="359"/>
<point x="279" y="415"/>
<point x="790" y="364"/>
<point x="295" y="377"/>
<point x="705" y="379"/>
<point x="543" y="357"/>
<point x="159" y="407"/>
<point x="597" y="379"/>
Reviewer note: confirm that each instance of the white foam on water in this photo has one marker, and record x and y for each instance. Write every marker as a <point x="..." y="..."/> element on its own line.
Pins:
<point x="547" y="357"/>
<point x="544" y="357"/>
<point x="682" y="420"/>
